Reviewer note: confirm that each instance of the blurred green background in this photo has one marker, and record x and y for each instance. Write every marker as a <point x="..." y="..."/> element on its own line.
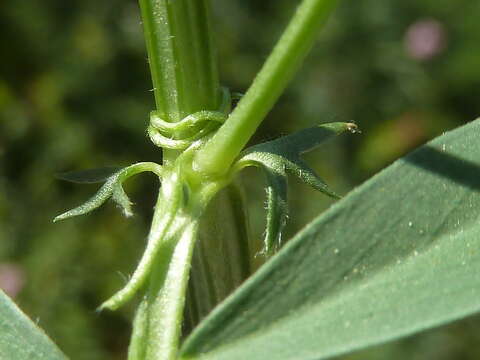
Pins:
<point x="74" y="94"/>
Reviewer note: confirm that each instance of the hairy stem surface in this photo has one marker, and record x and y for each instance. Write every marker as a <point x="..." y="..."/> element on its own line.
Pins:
<point x="166" y="296"/>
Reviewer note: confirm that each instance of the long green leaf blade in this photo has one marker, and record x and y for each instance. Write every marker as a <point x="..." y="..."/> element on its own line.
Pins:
<point x="20" y="338"/>
<point x="396" y="256"/>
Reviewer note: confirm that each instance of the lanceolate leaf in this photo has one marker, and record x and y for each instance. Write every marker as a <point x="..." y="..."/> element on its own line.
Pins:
<point x="398" y="255"/>
<point x="20" y="338"/>
<point x="94" y="202"/>
<point x="112" y="187"/>
<point x="281" y="157"/>
<point x="284" y="154"/>
<point x="89" y="176"/>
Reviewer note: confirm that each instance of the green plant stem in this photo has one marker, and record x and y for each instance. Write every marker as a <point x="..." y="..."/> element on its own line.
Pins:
<point x="181" y="56"/>
<point x="219" y="153"/>
<point x="166" y="296"/>
<point x="157" y="324"/>
<point x="137" y="346"/>
<point x="185" y="80"/>
<point x="221" y="260"/>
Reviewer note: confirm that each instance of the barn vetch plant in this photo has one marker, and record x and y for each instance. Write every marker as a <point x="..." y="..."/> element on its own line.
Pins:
<point x="201" y="159"/>
<point x="319" y="283"/>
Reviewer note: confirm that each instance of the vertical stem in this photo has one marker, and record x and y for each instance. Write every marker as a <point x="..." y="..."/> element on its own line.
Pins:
<point x="181" y="56"/>
<point x="138" y="344"/>
<point x="166" y="295"/>
<point x="185" y="80"/>
<point x="221" y="260"/>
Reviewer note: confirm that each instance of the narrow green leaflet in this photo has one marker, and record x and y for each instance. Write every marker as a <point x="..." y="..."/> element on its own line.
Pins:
<point x="94" y="202"/>
<point x="281" y="157"/>
<point x="277" y="209"/>
<point x="398" y="255"/>
<point x="111" y="188"/>
<point x="89" y="176"/>
<point x="20" y="338"/>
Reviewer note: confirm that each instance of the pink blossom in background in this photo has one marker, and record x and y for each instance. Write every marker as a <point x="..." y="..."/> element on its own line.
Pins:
<point x="12" y="279"/>
<point x="425" y="39"/>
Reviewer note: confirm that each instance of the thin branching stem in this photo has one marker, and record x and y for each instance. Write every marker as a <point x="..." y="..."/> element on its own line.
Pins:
<point x="220" y="152"/>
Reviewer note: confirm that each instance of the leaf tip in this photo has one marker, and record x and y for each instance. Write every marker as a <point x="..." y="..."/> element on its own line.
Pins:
<point x="334" y="196"/>
<point x="60" y="217"/>
<point x="108" y="305"/>
<point x="127" y="213"/>
<point x="353" y="128"/>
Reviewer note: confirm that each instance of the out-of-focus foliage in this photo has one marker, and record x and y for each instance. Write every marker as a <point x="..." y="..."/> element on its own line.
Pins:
<point x="74" y="94"/>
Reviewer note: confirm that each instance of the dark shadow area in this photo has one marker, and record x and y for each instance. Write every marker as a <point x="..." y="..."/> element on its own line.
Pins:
<point x="447" y="165"/>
